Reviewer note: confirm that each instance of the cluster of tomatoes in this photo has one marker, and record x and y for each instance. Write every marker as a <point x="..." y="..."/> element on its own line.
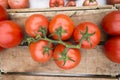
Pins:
<point x="51" y="39"/>
<point x="11" y="34"/>
<point x="111" y="25"/>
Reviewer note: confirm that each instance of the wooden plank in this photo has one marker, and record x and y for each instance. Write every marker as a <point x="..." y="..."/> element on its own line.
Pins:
<point x="93" y="62"/>
<point x="77" y="16"/>
<point x="48" y="78"/>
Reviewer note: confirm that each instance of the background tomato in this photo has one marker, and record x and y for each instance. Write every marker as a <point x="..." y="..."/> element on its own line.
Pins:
<point x="1" y="49"/>
<point x="65" y="23"/>
<point x="56" y="3"/>
<point x="90" y="3"/>
<point x="71" y="3"/>
<point x="73" y="57"/>
<point x="10" y="34"/>
<point x="18" y="4"/>
<point x="3" y="14"/>
<point x="111" y="23"/>
<point x="34" y="23"/>
<point x="37" y="51"/>
<point x="113" y="1"/>
<point x="112" y="49"/>
<point x="4" y="3"/>
<point x="90" y="41"/>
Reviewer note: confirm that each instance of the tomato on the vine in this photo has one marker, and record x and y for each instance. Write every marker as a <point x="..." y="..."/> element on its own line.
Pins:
<point x="71" y="3"/>
<point x="11" y="34"/>
<point x="90" y="3"/>
<point x="18" y="4"/>
<point x="112" y="49"/>
<point x="4" y="3"/>
<point x="87" y="34"/>
<point x="56" y="3"/>
<point x="67" y="60"/>
<point x="3" y="14"/>
<point x="41" y="51"/>
<point x="111" y="23"/>
<point x="113" y="1"/>
<point x="34" y="23"/>
<point x="61" y="24"/>
<point x="1" y="49"/>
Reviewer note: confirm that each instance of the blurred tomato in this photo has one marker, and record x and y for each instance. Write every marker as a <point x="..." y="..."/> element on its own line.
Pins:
<point x="4" y="3"/>
<point x="3" y="14"/>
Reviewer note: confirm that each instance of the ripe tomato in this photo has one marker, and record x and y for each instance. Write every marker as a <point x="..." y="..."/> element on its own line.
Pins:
<point x="64" y="22"/>
<point x="10" y="34"/>
<point x="91" y="37"/>
<point x="4" y="3"/>
<point x="37" y="50"/>
<point x="34" y="23"/>
<point x="112" y="49"/>
<point x="111" y="23"/>
<point x="1" y="49"/>
<point x="90" y="3"/>
<point x="73" y="57"/>
<point x="56" y="3"/>
<point x="18" y="4"/>
<point x="113" y="1"/>
<point x="71" y="3"/>
<point x="3" y="14"/>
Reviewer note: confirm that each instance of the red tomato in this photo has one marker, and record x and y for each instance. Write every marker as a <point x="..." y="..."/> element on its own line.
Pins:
<point x="111" y="23"/>
<point x="10" y="34"/>
<point x="4" y="3"/>
<point x="1" y="49"/>
<point x="37" y="51"/>
<point x="113" y="1"/>
<point x="71" y="3"/>
<point x="34" y="23"/>
<point x="65" y="23"/>
<point x="18" y="4"/>
<point x="56" y="3"/>
<point x="73" y="57"/>
<point x="91" y="38"/>
<point x="112" y="49"/>
<point x="90" y="3"/>
<point x="3" y="14"/>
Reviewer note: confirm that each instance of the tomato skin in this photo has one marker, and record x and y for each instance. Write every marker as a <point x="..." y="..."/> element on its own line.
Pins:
<point x="72" y="53"/>
<point x="111" y="23"/>
<point x="113" y="1"/>
<point x="56" y="3"/>
<point x="112" y="49"/>
<point x="94" y="39"/>
<point x="3" y="14"/>
<point x="33" y="24"/>
<point x="1" y="49"/>
<point x="4" y="3"/>
<point x="63" y="21"/>
<point x="71" y="3"/>
<point x="90" y="3"/>
<point x="10" y="34"/>
<point x="18" y="4"/>
<point x="37" y="49"/>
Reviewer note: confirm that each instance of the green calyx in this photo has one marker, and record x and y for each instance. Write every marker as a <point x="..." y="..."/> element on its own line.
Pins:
<point x="86" y="36"/>
<point x="47" y="49"/>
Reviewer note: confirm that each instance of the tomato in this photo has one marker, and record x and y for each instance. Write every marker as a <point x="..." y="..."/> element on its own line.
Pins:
<point x="61" y="24"/>
<point x="56" y="3"/>
<point x="71" y="3"/>
<point x="73" y="57"/>
<point x="4" y="3"/>
<point x="90" y="3"/>
<point x="112" y="49"/>
<point x="89" y="39"/>
<point x="10" y="34"/>
<point x="3" y="14"/>
<point x="18" y="4"/>
<point x="34" y="23"/>
<point x="37" y="50"/>
<point x="1" y="49"/>
<point x="113" y="1"/>
<point x="111" y="23"/>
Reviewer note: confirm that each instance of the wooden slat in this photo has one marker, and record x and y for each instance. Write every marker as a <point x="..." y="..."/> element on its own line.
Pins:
<point x="77" y="16"/>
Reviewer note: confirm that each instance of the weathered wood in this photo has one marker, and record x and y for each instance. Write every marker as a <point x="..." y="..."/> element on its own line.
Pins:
<point x="77" y="16"/>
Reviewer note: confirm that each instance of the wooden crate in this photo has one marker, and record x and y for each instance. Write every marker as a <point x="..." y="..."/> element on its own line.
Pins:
<point x="93" y="61"/>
